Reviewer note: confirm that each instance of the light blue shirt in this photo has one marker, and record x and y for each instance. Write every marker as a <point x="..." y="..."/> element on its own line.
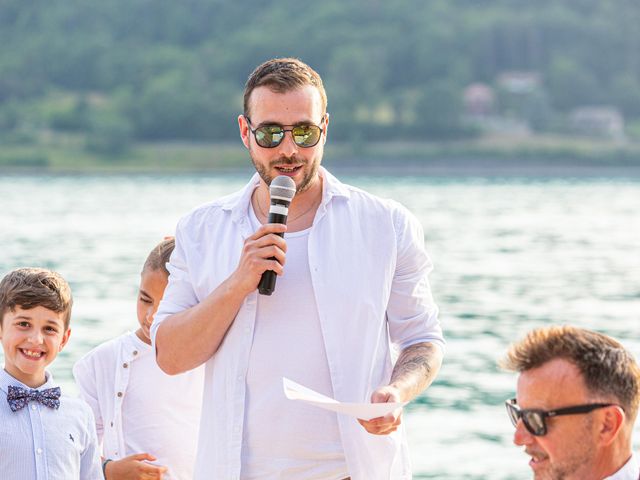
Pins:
<point x="43" y="443"/>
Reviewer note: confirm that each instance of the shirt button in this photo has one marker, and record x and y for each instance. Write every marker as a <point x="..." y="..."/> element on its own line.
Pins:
<point x="112" y="424"/>
<point x="119" y="394"/>
<point x="39" y="451"/>
<point x="125" y="365"/>
<point x="33" y="406"/>
<point x="135" y="352"/>
<point x="239" y="378"/>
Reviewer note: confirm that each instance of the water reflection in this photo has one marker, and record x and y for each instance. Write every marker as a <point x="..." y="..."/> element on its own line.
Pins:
<point x="509" y="255"/>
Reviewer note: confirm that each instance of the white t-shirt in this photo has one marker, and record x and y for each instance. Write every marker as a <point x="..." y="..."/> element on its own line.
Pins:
<point x="138" y="408"/>
<point x="285" y="439"/>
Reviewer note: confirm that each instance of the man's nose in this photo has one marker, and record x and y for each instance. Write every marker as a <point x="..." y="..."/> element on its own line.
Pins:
<point x="288" y="147"/>
<point x="522" y="436"/>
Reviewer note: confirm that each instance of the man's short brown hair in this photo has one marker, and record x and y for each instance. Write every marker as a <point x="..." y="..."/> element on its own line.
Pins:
<point x="283" y="75"/>
<point x="608" y="369"/>
<point x="28" y="288"/>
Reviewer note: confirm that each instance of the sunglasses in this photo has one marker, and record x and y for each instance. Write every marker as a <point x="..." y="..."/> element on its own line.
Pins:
<point x="535" y="420"/>
<point x="270" y="136"/>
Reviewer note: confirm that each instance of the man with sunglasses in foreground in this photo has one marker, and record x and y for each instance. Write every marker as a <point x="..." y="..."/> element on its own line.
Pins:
<point x="354" y="284"/>
<point x="576" y="404"/>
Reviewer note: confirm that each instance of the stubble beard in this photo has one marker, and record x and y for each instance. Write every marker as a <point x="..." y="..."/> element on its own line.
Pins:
<point x="310" y="170"/>
<point x="578" y="463"/>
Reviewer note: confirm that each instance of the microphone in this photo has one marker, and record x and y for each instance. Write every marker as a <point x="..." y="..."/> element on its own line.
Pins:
<point x="281" y="191"/>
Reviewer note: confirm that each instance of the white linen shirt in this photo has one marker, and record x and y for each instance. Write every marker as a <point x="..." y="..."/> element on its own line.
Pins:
<point x="102" y="376"/>
<point x="103" y="385"/>
<point x="630" y="471"/>
<point x="43" y="443"/>
<point x="369" y="273"/>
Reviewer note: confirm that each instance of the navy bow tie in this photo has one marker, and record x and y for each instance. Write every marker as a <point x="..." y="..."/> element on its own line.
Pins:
<point x="18" y="397"/>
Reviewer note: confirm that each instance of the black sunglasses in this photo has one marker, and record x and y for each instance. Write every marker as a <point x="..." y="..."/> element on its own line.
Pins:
<point x="270" y="136"/>
<point x="535" y="419"/>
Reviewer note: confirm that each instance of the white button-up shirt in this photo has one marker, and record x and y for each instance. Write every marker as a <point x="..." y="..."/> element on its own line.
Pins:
<point x="43" y="443"/>
<point x="102" y="384"/>
<point x="165" y="409"/>
<point x="369" y="273"/>
<point x="630" y="471"/>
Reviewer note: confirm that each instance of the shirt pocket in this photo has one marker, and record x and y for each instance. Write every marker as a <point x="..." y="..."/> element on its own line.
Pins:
<point x="65" y="445"/>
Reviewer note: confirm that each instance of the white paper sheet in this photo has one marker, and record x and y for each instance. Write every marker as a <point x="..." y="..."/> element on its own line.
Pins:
<point x="364" y="411"/>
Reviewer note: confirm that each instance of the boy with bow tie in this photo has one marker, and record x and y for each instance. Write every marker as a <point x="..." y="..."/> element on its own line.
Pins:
<point x="43" y="435"/>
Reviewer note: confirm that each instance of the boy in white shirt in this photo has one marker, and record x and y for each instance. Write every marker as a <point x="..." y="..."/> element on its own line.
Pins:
<point x="147" y="421"/>
<point x="43" y="435"/>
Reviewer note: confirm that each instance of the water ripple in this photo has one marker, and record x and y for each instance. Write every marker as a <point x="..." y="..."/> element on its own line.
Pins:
<point x="509" y="255"/>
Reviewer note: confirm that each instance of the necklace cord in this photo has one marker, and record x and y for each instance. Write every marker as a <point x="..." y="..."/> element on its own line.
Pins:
<point x="289" y="219"/>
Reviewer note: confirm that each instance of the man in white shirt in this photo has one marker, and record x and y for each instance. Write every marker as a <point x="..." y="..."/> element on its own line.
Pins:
<point x="577" y="400"/>
<point x="354" y="285"/>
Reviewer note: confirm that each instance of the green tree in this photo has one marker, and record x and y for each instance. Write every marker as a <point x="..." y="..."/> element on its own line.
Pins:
<point x="110" y="133"/>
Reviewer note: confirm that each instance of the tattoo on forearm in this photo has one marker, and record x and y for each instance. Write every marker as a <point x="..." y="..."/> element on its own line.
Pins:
<point x="414" y="367"/>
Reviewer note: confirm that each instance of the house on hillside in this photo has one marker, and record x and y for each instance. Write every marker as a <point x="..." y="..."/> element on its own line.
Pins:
<point x="519" y="82"/>
<point x="482" y="111"/>
<point x="598" y="121"/>
<point x="479" y="100"/>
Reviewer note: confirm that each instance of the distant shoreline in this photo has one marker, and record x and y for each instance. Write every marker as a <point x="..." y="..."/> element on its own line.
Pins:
<point x="480" y="169"/>
<point x="531" y="156"/>
<point x="491" y="168"/>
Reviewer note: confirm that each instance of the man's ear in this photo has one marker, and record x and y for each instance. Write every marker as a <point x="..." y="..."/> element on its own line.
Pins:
<point x="326" y="127"/>
<point x="65" y="339"/>
<point x="244" y="130"/>
<point x="611" y="422"/>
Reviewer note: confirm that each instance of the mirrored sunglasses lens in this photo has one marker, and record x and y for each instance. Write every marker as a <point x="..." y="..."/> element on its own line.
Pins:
<point x="535" y="422"/>
<point x="269" y="136"/>
<point x="306" y="135"/>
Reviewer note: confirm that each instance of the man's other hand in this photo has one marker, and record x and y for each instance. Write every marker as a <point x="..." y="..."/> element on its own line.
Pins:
<point x="390" y="422"/>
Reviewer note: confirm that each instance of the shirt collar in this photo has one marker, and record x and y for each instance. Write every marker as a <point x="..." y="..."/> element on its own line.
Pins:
<point x="6" y="379"/>
<point x="238" y="204"/>
<point x="629" y="471"/>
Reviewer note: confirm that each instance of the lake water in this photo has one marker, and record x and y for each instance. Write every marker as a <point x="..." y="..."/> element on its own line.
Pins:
<point x="510" y="254"/>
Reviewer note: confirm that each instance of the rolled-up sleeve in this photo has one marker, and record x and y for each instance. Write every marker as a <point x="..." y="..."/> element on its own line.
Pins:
<point x="179" y="294"/>
<point x="412" y="314"/>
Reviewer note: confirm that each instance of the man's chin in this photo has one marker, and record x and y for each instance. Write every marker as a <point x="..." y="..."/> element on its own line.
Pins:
<point x="308" y="180"/>
<point x="541" y="467"/>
